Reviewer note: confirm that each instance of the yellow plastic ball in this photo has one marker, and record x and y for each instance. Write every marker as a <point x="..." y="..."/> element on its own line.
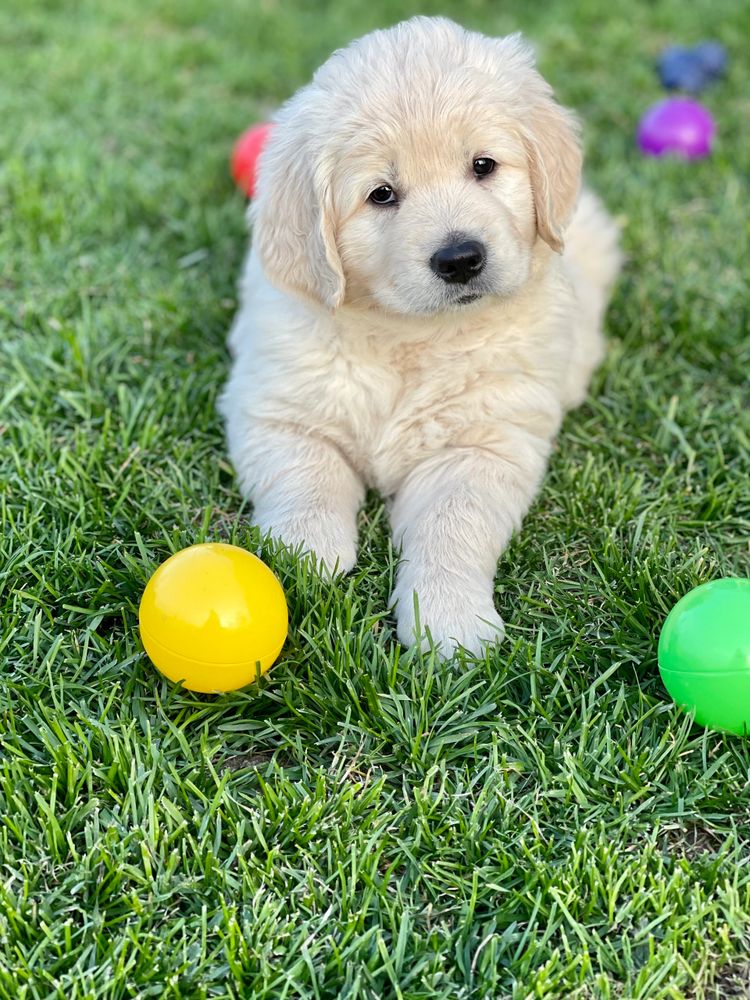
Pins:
<point x="214" y="617"/>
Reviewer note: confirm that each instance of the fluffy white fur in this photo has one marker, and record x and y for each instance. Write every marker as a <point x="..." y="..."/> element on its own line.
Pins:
<point x="355" y="365"/>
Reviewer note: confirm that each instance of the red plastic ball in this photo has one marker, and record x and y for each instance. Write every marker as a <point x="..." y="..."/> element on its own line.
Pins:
<point x="245" y="155"/>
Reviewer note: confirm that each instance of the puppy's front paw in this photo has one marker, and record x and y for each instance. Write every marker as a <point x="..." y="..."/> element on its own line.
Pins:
<point x="452" y="619"/>
<point x="321" y="533"/>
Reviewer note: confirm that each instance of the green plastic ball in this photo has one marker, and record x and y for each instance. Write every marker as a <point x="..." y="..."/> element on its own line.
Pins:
<point x="704" y="654"/>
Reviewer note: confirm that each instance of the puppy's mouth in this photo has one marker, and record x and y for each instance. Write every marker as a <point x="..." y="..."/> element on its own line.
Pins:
<point x="464" y="300"/>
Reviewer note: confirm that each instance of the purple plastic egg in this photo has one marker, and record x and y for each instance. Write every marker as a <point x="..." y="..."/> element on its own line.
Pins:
<point x="679" y="126"/>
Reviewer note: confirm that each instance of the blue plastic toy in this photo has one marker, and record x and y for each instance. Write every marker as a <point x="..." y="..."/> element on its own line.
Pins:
<point x="692" y="69"/>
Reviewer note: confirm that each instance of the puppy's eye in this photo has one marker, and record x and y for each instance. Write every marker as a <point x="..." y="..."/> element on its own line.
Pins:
<point x="483" y="165"/>
<point x="383" y="195"/>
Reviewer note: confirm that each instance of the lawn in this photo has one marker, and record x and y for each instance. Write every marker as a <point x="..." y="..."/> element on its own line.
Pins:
<point x="367" y="822"/>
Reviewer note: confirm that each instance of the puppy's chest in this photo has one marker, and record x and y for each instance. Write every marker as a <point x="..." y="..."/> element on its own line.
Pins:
<point x="392" y="410"/>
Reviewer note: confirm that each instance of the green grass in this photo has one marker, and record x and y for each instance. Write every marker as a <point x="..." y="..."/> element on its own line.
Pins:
<point x="367" y="822"/>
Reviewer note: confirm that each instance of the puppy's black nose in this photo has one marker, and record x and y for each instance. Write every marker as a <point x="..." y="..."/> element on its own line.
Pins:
<point x="458" y="263"/>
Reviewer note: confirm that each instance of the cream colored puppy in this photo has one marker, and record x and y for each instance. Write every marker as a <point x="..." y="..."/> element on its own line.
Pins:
<point x="422" y="301"/>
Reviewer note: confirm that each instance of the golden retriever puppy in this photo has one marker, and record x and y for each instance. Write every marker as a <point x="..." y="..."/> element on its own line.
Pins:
<point x="422" y="301"/>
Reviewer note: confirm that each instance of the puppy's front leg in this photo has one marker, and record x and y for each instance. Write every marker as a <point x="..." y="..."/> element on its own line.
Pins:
<point x="452" y="517"/>
<point x="304" y="491"/>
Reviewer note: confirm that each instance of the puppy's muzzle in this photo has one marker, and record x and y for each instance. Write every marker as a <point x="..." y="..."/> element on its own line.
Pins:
<point x="458" y="263"/>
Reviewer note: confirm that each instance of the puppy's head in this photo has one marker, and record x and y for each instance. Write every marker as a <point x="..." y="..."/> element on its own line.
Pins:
<point x="416" y="173"/>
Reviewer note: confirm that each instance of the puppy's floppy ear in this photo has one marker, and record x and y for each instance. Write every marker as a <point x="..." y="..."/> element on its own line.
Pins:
<point x="551" y="137"/>
<point x="292" y="216"/>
